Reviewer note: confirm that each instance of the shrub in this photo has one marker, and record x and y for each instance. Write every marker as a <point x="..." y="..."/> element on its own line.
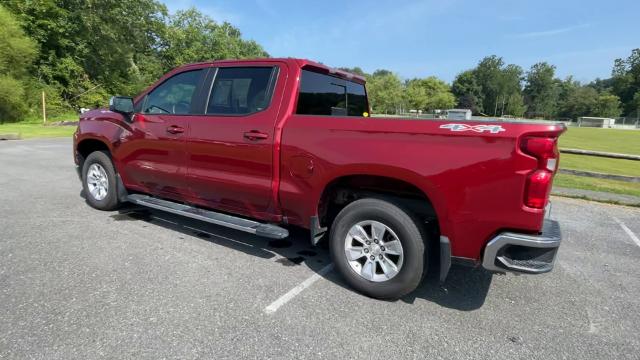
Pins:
<point x="12" y="106"/>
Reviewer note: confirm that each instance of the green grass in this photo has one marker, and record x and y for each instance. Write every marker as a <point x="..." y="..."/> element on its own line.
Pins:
<point x="609" y="140"/>
<point x="605" y="185"/>
<point x="600" y="164"/>
<point x="32" y="127"/>
<point x="28" y="131"/>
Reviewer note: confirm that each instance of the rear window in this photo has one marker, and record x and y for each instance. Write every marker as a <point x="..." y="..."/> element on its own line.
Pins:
<point x="322" y="94"/>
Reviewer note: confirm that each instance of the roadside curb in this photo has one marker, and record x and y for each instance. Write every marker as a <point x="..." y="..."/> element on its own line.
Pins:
<point x="624" y="178"/>
<point x="601" y="154"/>
<point x="598" y="196"/>
<point x="10" y="136"/>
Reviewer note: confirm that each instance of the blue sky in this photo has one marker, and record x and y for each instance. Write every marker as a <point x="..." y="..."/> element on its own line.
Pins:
<point x="419" y="38"/>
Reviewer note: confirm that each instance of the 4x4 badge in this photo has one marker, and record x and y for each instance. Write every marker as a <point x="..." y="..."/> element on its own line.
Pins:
<point x="494" y="129"/>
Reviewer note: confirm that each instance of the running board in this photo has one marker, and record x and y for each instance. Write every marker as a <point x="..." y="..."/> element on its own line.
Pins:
<point x="233" y="222"/>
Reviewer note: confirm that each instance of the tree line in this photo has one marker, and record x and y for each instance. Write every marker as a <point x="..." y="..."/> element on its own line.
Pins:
<point x="79" y="52"/>
<point x="494" y="88"/>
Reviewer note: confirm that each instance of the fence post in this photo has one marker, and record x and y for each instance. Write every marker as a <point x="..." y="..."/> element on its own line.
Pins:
<point x="44" y="110"/>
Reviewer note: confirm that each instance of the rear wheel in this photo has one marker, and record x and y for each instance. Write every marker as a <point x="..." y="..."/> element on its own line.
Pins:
<point x="99" y="181"/>
<point x="379" y="248"/>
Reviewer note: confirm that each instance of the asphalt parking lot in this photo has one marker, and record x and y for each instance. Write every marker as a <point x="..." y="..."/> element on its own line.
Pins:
<point x="77" y="283"/>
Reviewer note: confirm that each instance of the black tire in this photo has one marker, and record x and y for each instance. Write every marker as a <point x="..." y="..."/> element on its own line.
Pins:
<point x="408" y="230"/>
<point x="110" y="201"/>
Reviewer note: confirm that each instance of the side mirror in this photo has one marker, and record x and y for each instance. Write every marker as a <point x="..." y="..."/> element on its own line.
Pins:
<point x="121" y="104"/>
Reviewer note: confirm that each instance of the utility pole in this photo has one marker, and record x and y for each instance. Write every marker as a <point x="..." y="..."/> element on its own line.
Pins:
<point x="44" y="110"/>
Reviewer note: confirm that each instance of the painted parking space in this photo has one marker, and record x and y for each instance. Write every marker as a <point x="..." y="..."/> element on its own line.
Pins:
<point x="80" y="283"/>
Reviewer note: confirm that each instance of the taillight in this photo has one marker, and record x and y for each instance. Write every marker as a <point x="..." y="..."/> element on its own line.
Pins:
<point x="537" y="189"/>
<point x="538" y="184"/>
<point x="543" y="149"/>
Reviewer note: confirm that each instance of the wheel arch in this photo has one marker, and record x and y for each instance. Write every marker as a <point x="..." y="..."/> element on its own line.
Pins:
<point x="88" y="145"/>
<point x="409" y="188"/>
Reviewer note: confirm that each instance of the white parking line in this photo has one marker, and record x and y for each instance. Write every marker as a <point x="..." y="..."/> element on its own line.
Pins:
<point x="216" y="235"/>
<point x="165" y="220"/>
<point x="274" y="306"/>
<point x="627" y="230"/>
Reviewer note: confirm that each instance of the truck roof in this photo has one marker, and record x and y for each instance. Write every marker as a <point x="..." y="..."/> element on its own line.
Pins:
<point x="293" y="62"/>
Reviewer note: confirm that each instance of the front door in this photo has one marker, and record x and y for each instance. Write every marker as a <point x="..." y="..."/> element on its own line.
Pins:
<point x="154" y="157"/>
<point x="230" y="148"/>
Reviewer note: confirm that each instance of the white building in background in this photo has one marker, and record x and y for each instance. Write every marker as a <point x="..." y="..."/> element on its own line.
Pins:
<point x="459" y="114"/>
<point x="587" y="121"/>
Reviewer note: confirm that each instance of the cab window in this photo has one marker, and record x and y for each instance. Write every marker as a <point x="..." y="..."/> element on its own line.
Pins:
<point x="241" y="90"/>
<point x="175" y="95"/>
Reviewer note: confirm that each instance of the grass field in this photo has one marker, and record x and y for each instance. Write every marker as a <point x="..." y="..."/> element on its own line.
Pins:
<point x="609" y="140"/>
<point x="32" y="127"/>
<point x="587" y="183"/>
<point x="600" y="164"/>
<point x="28" y="131"/>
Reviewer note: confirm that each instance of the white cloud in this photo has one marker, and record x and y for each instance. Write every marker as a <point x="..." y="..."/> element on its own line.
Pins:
<point x="546" y="33"/>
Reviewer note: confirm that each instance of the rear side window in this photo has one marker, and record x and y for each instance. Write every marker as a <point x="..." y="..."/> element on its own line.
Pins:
<point x="322" y="94"/>
<point x="241" y="90"/>
<point x="175" y="95"/>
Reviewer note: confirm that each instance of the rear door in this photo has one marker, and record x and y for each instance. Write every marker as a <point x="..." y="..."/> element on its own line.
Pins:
<point x="230" y="147"/>
<point x="155" y="155"/>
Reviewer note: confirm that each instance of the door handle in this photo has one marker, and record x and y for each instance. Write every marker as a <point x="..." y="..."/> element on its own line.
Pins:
<point x="255" y="135"/>
<point x="173" y="129"/>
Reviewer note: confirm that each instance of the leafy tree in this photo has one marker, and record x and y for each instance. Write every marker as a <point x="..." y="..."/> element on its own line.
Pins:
<point x="635" y="104"/>
<point x="17" y="52"/>
<point x="515" y="105"/>
<point x="415" y="95"/>
<point x="580" y="101"/>
<point x="468" y="92"/>
<point x="438" y="94"/>
<point x="541" y="93"/>
<point x="355" y="70"/>
<point x="498" y="83"/>
<point x="93" y="48"/>
<point x="488" y="75"/>
<point x="85" y="43"/>
<point x="11" y="99"/>
<point x="626" y="79"/>
<point x="192" y="36"/>
<point x="382" y="72"/>
<point x="511" y="89"/>
<point x="602" y="85"/>
<point x="385" y="92"/>
<point x="607" y="105"/>
<point x="565" y="89"/>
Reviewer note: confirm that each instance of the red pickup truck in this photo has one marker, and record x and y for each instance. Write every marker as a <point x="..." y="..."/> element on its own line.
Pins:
<point x="257" y="145"/>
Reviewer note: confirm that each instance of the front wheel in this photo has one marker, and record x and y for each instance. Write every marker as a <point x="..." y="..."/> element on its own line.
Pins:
<point x="379" y="248"/>
<point x="99" y="181"/>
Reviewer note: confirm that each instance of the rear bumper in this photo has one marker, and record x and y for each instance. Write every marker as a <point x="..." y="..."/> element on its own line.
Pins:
<point x="524" y="253"/>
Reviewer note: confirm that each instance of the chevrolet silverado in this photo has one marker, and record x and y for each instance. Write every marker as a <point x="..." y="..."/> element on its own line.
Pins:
<point x="260" y="145"/>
